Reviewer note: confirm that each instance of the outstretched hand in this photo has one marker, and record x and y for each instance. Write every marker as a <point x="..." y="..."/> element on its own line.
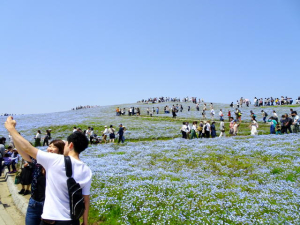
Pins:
<point x="10" y="123"/>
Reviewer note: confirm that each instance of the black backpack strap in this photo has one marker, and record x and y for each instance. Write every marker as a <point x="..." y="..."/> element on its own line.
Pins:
<point x="68" y="164"/>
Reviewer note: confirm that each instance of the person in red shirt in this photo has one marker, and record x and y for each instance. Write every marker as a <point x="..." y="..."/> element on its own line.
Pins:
<point x="229" y="115"/>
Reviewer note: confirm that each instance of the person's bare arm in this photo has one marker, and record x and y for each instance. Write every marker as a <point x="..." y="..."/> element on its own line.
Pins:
<point x="24" y="155"/>
<point x="86" y="211"/>
<point x="21" y="143"/>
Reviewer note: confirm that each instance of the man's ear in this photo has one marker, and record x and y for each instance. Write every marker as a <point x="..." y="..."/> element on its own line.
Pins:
<point x="71" y="145"/>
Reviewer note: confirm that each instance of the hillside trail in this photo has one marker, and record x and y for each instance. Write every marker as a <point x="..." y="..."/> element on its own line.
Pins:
<point x="9" y="214"/>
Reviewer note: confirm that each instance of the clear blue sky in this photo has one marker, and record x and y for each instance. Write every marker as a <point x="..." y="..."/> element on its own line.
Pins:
<point x="55" y="55"/>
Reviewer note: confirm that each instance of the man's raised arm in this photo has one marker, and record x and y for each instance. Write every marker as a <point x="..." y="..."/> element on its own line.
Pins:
<point x="20" y="142"/>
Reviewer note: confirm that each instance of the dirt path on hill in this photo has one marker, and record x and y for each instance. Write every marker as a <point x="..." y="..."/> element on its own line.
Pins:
<point x="7" y="202"/>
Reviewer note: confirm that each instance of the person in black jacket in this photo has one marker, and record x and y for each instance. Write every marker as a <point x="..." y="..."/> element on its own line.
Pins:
<point x="121" y="133"/>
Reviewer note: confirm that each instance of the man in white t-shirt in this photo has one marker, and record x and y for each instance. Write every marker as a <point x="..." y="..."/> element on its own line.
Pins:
<point x="56" y="207"/>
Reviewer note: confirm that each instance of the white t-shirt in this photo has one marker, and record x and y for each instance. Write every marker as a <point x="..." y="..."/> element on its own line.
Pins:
<point x="56" y="206"/>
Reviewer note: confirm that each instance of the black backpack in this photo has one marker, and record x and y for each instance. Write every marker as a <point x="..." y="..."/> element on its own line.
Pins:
<point x="77" y="206"/>
<point x="266" y="114"/>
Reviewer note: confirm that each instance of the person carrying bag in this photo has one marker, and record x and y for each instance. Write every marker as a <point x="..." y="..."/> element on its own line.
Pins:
<point x="77" y="206"/>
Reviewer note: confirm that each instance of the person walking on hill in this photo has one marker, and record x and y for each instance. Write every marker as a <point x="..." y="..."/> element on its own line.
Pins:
<point x="264" y="114"/>
<point x="121" y="133"/>
<point x="184" y="130"/>
<point x="235" y="128"/>
<point x="188" y="130"/>
<point x="200" y="129"/>
<point x="213" y="129"/>
<point x="104" y="134"/>
<point x="229" y="115"/>
<point x="174" y="112"/>
<point x="46" y="138"/>
<point x="221" y="115"/>
<point x="112" y="135"/>
<point x="275" y="116"/>
<point x="273" y="125"/>
<point x="207" y="129"/>
<point x="194" y="129"/>
<point x="231" y="126"/>
<point x="212" y="114"/>
<point x="222" y="128"/>
<point x="288" y="122"/>
<point x="295" y="124"/>
<point x="38" y="138"/>
<point x="253" y="126"/>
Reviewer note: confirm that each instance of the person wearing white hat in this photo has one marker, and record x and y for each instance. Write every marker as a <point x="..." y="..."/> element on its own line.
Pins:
<point x="105" y="133"/>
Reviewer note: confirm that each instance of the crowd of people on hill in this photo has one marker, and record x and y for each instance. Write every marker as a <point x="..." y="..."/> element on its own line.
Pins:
<point x="84" y="107"/>
<point x="168" y="99"/>
<point x="270" y="101"/>
<point x="274" y="101"/>
<point x="288" y="123"/>
<point x="108" y="135"/>
<point x="8" y="114"/>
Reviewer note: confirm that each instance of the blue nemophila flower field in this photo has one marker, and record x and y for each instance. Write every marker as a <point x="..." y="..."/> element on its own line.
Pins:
<point x="221" y="181"/>
<point x="235" y="180"/>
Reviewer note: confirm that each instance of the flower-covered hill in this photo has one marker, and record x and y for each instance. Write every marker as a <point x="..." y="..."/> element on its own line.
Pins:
<point x="233" y="180"/>
<point x="160" y="125"/>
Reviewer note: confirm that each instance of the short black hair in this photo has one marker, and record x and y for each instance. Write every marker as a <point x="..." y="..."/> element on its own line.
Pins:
<point x="79" y="141"/>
